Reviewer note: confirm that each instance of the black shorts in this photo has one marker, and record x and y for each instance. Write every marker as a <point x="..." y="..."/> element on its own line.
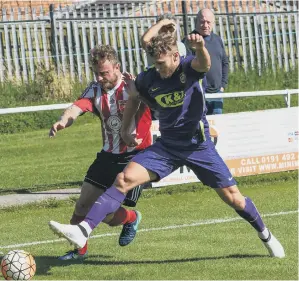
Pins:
<point x="104" y="170"/>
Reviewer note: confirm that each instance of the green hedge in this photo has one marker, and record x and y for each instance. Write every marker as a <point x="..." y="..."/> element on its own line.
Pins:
<point x="48" y="88"/>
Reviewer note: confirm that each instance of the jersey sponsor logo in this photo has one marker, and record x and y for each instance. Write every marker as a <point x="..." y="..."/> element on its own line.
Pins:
<point x="114" y="123"/>
<point x="174" y="99"/>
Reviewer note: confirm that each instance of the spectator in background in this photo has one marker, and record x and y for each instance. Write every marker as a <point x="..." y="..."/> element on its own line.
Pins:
<point x="217" y="76"/>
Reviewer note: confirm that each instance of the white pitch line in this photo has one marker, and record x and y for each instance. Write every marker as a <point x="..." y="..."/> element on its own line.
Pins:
<point x="205" y="222"/>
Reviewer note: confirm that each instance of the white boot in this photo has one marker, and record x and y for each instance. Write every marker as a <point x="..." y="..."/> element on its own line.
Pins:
<point x="73" y="233"/>
<point x="274" y="247"/>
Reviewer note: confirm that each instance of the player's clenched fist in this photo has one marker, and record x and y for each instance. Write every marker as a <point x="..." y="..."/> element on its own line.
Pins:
<point x="196" y="41"/>
<point x="56" y="127"/>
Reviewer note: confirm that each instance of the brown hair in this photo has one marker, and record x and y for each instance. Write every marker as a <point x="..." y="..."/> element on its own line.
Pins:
<point x="162" y="44"/>
<point x="102" y="53"/>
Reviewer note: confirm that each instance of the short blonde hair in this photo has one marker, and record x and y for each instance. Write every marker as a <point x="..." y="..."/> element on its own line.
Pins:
<point x="162" y="44"/>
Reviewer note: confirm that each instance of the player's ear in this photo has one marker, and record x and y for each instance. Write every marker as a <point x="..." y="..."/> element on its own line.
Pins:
<point x="117" y="66"/>
<point x="176" y="56"/>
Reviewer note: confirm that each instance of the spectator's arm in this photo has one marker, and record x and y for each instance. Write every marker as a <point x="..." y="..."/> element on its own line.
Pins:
<point x="224" y="79"/>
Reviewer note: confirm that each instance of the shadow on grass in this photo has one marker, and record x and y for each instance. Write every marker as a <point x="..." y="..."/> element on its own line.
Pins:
<point x="41" y="187"/>
<point x="45" y="263"/>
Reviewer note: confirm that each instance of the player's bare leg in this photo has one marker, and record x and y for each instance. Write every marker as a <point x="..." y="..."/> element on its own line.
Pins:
<point x="130" y="220"/>
<point x="133" y="175"/>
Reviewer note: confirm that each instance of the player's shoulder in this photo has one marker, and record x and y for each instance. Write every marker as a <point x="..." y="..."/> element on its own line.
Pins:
<point x="149" y="70"/>
<point x="186" y="61"/>
<point x="216" y="38"/>
<point x="147" y="74"/>
<point x="89" y="91"/>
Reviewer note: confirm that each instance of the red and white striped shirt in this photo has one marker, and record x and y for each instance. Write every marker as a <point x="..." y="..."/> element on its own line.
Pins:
<point x="109" y="106"/>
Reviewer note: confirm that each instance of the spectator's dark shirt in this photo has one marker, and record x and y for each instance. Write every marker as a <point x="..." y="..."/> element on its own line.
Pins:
<point x="217" y="76"/>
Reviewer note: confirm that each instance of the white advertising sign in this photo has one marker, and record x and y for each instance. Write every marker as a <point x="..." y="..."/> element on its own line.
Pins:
<point x="250" y="143"/>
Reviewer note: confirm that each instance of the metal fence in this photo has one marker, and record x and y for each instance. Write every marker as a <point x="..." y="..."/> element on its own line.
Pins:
<point x="254" y="36"/>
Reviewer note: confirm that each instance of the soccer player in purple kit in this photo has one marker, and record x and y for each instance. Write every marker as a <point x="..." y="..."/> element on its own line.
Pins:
<point x="175" y="86"/>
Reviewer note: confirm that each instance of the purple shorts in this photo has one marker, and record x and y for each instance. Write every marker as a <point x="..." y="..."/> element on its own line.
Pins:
<point x="205" y="162"/>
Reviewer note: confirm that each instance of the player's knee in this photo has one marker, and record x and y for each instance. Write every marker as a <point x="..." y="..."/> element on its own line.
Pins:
<point x="125" y="181"/>
<point x="233" y="197"/>
<point x="236" y="201"/>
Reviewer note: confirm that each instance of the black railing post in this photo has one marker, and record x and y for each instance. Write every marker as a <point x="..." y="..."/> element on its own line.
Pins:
<point x="53" y="34"/>
<point x="185" y="18"/>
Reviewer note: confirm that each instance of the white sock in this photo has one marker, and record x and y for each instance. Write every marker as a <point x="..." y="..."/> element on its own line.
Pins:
<point x="86" y="226"/>
<point x="264" y="234"/>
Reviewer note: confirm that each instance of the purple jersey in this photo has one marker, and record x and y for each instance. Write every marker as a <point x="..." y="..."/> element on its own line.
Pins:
<point x="180" y="103"/>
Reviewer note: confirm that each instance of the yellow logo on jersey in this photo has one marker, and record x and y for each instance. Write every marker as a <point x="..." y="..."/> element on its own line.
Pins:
<point x="171" y="99"/>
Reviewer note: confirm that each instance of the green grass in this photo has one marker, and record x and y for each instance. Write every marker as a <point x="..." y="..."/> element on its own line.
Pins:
<point x="35" y="162"/>
<point x="217" y="251"/>
<point x="226" y="251"/>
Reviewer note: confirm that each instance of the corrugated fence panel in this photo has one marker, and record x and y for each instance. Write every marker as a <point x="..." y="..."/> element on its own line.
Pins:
<point x="256" y="34"/>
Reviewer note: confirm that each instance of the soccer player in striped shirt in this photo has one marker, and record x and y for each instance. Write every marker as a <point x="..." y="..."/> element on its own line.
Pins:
<point x="107" y="98"/>
<point x="176" y="85"/>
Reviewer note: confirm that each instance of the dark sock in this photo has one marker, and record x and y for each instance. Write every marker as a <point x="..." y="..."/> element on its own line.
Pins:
<point x="251" y="214"/>
<point x="76" y="219"/>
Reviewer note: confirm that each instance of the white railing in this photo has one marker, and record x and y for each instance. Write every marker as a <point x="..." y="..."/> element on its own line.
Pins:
<point x="286" y="93"/>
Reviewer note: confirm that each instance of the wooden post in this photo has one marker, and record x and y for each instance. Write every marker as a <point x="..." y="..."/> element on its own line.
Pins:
<point x="29" y="43"/>
<point x="61" y="43"/>
<point x="236" y="35"/>
<point x="99" y="29"/>
<point x="136" y="41"/>
<point x="129" y="43"/>
<point x="243" y="38"/>
<point x="36" y="40"/>
<point x="250" y="37"/>
<point x="54" y="45"/>
<point x="23" y="53"/>
<point x="292" y="54"/>
<point x="70" y="43"/>
<point x="229" y="40"/>
<point x="44" y="39"/>
<point x="15" y="46"/>
<point x="114" y="41"/>
<point x="142" y="32"/>
<point x="85" y="47"/>
<point x="257" y="41"/>
<point x="121" y="39"/>
<point x="269" y="19"/>
<point x="7" y="46"/>
<point x="1" y="60"/>
<point x="77" y="44"/>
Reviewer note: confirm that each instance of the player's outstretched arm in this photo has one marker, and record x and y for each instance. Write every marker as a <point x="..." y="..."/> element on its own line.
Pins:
<point x="165" y="25"/>
<point x="66" y="119"/>
<point x="202" y="60"/>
